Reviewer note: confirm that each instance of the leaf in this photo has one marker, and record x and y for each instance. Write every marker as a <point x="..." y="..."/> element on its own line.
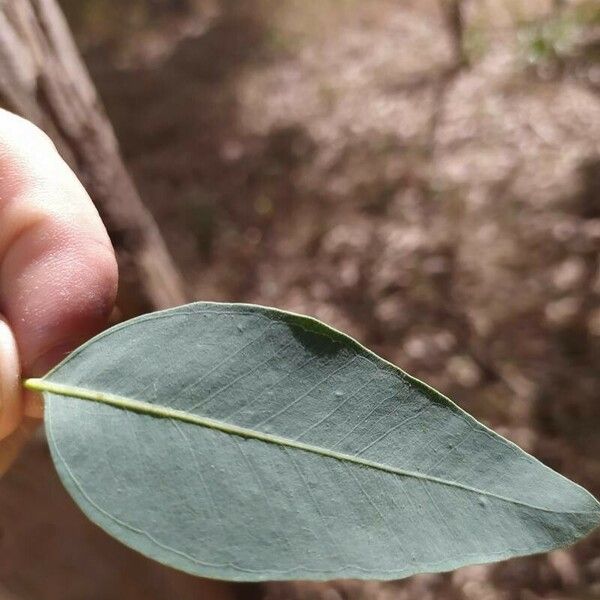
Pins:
<point x="246" y="443"/>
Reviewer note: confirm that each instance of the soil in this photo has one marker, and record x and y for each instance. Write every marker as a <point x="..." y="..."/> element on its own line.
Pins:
<point x="439" y="201"/>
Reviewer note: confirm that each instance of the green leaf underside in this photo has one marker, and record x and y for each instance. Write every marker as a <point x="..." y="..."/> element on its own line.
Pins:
<point x="166" y="412"/>
<point x="246" y="443"/>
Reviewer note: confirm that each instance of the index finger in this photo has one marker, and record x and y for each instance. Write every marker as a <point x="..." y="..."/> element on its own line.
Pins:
<point x="58" y="273"/>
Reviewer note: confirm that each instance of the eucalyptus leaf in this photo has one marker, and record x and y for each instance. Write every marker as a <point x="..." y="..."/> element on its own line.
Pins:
<point x="246" y="443"/>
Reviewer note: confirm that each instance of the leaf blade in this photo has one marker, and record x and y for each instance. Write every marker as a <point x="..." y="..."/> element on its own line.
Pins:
<point x="314" y="375"/>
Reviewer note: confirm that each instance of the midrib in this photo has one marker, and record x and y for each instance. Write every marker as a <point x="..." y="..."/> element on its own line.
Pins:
<point x="165" y="412"/>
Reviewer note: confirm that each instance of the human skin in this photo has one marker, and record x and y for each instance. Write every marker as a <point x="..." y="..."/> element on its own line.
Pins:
<point x="58" y="281"/>
<point x="58" y="273"/>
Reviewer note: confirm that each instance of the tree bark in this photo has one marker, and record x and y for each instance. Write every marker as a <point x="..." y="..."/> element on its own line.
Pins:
<point x="43" y="79"/>
<point x="453" y="14"/>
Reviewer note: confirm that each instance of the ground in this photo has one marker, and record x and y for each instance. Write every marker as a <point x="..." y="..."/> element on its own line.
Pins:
<point x="438" y="200"/>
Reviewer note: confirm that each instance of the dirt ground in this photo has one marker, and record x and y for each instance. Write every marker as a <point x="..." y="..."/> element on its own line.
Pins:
<point x="432" y="190"/>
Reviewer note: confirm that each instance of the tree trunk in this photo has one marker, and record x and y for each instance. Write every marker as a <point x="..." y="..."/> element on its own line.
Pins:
<point x="43" y="79"/>
<point x="453" y="15"/>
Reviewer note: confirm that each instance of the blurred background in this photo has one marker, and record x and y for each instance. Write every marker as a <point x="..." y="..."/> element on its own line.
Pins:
<point x="422" y="174"/>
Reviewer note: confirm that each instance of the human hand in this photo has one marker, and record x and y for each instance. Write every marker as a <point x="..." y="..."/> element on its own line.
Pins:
<point x="58" y="274"/>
